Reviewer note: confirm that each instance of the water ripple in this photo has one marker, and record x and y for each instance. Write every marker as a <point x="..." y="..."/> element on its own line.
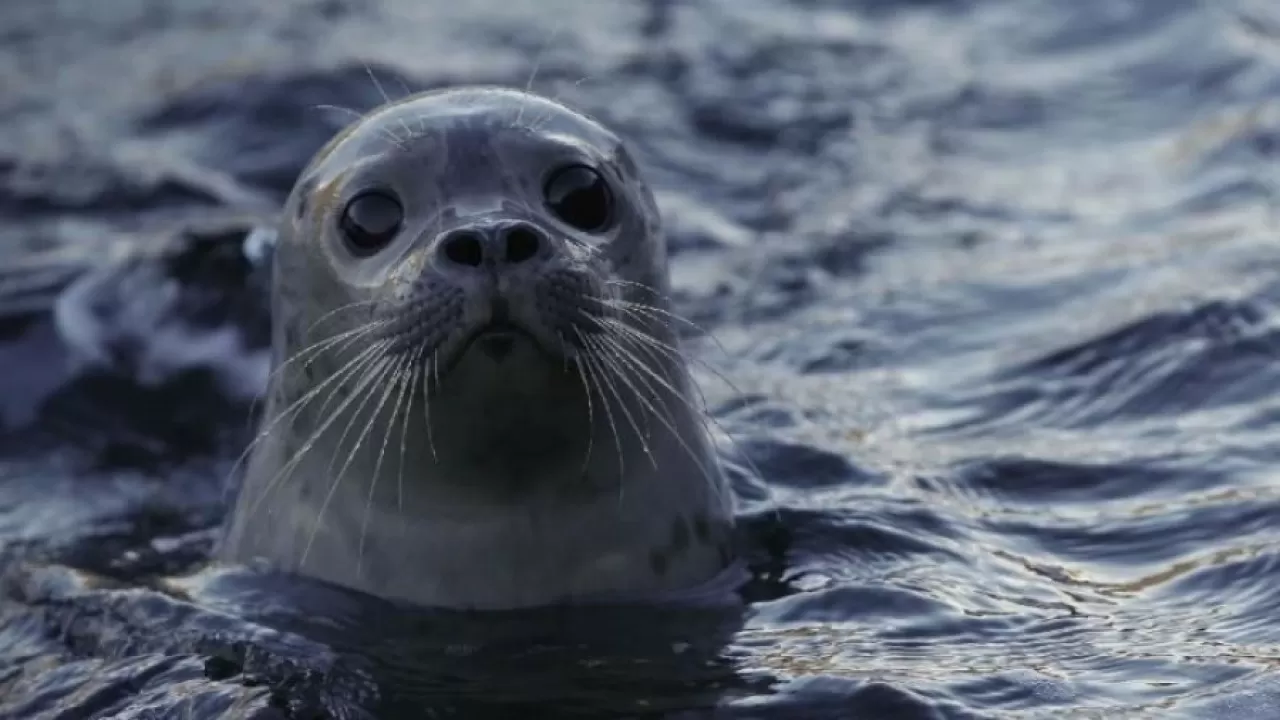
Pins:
<point x="987" y="302"/>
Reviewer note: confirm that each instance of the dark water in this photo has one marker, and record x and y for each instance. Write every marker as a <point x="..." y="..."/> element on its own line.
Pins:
<point x="995" y="290"/>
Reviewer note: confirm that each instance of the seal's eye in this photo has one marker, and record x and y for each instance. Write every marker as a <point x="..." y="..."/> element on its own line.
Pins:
<point x="580" y="197"/>
<point x="370" y="221"/>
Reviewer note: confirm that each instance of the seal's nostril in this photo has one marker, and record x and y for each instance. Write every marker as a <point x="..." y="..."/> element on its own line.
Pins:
<point x="521" y="244"/>
<point x="465" y="248"/>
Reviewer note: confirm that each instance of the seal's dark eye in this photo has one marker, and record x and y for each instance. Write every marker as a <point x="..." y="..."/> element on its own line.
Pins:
<point x="580" y="197"/>
<point x="370" y="221"/>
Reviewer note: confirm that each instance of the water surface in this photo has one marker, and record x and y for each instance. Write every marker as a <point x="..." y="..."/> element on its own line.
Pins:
<point x="992" y="285"/>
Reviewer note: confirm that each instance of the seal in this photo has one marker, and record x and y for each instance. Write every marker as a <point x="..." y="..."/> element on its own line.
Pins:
<point x="478" y="397"/>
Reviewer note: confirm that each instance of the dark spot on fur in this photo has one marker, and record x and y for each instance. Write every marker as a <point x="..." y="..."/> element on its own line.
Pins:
<point x="680" y="535"/>
<point x="658" y="562"/>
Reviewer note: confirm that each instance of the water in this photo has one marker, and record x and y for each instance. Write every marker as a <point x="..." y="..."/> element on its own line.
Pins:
<point x="994" y="289"/>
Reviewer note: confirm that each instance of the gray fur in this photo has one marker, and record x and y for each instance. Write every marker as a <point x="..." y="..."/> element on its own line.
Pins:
<point x="431" y="473"/>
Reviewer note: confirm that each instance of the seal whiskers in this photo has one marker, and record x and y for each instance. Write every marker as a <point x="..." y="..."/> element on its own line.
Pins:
<point x="353" y="367"/>
<point x="426" y="405"/>
<point x="664" y="416"/>
<point x="601" y="363"/>
<point x="401" y="381"/>
<point x="350" y="337"/>
<point x="591" y="415"/>
<point x="595" y="375"/>
<point x="386" y="367"/>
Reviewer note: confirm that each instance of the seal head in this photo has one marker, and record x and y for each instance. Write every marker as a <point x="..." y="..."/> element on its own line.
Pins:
<point x="478" y="397"/>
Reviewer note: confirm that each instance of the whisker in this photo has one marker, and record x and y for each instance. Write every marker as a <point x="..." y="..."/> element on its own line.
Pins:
<point x="376" y="377"/>
<point x="609" y="377"/>
<point x="335" y="311"/>
<point x="387" y="99"/>
<point x="315" y="348"/>
<point x="298" y="404"/>
<point x="360" y="116"/>
<point x="407" y="392"/>
<point x="370" y="355"/>
<point x="602" y="361"/>
<point x="594" y="373"/>
<point x="384" y="366"/>
<point x="537" y="64"/>
<point x="666" y="419"/>
<point x="591" y="417"/>
<point x="398" y="379"/>
<point x="426" y="406"/>
<point x="576" y="84"/>
<point x="404" y="88"/>
<point x="353" y="113"/>
<point x="653" y="311"/>
<point x="352" y="369"/>
<point x="668" y="350"/>
<point x="651" y="345"/>
<point x="613" y="345"/>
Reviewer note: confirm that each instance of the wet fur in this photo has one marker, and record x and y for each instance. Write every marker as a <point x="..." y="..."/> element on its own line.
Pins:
<point x="393" y="461"/>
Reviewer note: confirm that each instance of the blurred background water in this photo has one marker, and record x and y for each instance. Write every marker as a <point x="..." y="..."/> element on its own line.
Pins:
<point x="993" y="290"/>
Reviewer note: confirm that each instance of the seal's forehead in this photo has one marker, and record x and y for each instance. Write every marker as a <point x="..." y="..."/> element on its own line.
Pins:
<point x="460" y="118"/>
<point x="495" y="107"/>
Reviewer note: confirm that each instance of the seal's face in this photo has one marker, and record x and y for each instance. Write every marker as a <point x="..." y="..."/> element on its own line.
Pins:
<point x="495" y="247"/>
<point x="479" y="398"/>
<point x="479" y="225"/>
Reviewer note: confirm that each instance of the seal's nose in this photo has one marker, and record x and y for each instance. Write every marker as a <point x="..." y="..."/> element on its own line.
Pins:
<point x="494" y="245"/>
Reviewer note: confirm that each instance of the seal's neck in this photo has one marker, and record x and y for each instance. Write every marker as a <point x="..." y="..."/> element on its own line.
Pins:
<point x="444" y="502"/>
